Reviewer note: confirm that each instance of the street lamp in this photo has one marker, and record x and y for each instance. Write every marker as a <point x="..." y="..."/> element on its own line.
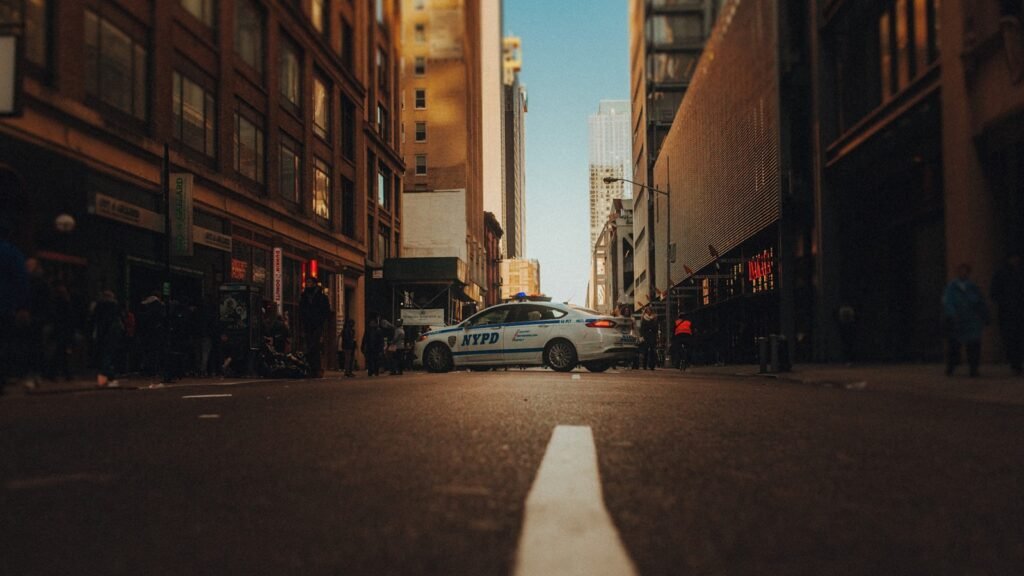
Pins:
<point x="668" y="255"/>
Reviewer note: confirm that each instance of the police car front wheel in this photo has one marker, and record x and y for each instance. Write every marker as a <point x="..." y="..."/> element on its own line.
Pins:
<point x="561" y="356"/>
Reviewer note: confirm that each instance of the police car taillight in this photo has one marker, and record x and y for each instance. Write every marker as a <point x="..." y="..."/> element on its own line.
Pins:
<point x="600" y="324"/>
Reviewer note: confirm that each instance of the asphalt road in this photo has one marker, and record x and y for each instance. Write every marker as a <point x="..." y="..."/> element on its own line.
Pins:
<point x="428" y="474"/>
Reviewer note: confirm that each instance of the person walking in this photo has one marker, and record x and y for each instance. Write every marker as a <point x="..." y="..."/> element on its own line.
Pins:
<point x="314" y="310"/>
<point x="107" y="333"/>
<point x="649" y="339"/>
<point x="373" y="347"/>
<point x="397" y="345"/>
<point x="1008" y="294"/>
<point x="347" y="346"/>
<point x="682" y="336"/>
<point x="965" y="315"/>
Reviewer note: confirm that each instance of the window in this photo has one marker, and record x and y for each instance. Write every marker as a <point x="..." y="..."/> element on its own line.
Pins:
<point x="115" y="67"/>
<point x="348" y="128"/>
<point x="421" y="131"/>
<point x="491" y="316"/>
<point x="318" y="16"/>
<point x="421" y="33"/>
<point x="201" y="9"/>
<point x="194" y="116"/>
<point x="321" y="107"/>
<point x="371" y="178"/>
<point x="421" y="164"/>
<point x="384" y="242"/>
<point x="378" y="10"/>
<point x="37" y="31"/>
<point x="249" y="34"/>
<point x="248" y="147"/>
<point x="291" y="170"/>
<point x="382" y="69"/>
<point x="346" y="48"/>
<point x="421" y="99"/>
<point x="348" y="207"/>
<point x="371" y="244"/>
<point x="291" y="75"/>
<point x="420" y="68"/>
<point x="383" y="186"/>
<point x="321" y="189"/>
<point x="382" y="122"/>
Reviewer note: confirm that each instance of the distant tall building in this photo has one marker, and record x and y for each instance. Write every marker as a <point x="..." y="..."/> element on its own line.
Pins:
<point x="492" y="70"/>
<point x="666" y="40"/>
<point x="520" y="275"/>
<point x="513" y="219"/>
<point x="609" y="157"/>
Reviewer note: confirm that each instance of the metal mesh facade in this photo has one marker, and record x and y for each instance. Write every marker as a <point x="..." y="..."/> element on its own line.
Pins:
<point x="722" y="154"/>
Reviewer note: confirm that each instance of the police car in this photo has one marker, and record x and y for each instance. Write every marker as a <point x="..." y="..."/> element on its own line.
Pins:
<point x="561" y="336"/>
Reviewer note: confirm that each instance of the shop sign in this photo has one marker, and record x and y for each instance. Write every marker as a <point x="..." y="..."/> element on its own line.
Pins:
<point x="259" y="275"/>
<point x="212" y="239"/>
<point x="10" y="79"/>
<point x="181" y="214"/>
<point x="239" y="270"/>
<point x="761" y="271"/>
<point x="424" y="317"/>
<point x="127" y="213"/>
<point x="377" y="274"/>
<point x="278" y="278"/>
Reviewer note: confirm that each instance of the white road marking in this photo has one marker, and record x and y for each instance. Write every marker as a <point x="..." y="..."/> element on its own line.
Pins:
<point x="566" y="528"/>
<point x="207" y="396"/>
<point x="208" y="416"/>
<point x="59" y="480"/>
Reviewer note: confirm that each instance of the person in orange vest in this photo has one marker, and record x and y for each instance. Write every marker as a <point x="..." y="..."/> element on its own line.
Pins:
<point x="682" y="334"/>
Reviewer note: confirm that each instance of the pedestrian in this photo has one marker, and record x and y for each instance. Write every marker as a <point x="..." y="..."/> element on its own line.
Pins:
<point x="846" y="318"/>
<point x="397" y="347"/>
<point x="1008" y="294"/>
<point x="965" y="315"/>
<point x="151" y="332"/>
<point x="648" y="339"/>
<point x="314" y="311"/>
<point x="62" y="337"/>
<point x="14" y="299"/>
<point x="373" y="347"/>
<point x="682" y="336"/>
<point x="107" y="334"/>
<point x="347" y="346"/>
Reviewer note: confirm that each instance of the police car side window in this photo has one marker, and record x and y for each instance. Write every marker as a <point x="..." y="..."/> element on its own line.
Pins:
<point x="496" y="316"/>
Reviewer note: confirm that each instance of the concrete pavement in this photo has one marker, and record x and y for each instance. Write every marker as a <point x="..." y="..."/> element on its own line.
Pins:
<point x="996" y="383"/>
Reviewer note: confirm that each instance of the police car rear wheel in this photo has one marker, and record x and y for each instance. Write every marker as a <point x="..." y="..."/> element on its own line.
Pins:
<point x="597" y="366"/>
<point x="437" y="358"/>
<point x="561" y="356"/>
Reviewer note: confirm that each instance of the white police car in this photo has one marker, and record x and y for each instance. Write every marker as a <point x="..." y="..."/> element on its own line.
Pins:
<point x="529" y="334"/>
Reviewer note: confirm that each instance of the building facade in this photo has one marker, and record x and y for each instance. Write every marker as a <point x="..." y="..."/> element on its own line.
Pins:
<point x="493" y="234"/>
<point x="609" y="143"/>
<point x="612" y="268"/>
<point x="262" y="104"/>
<point x="514" y="151"/>
<point x="666" y="40"/>
<point x="443" y="123"/>
<point x="519" y="276"/>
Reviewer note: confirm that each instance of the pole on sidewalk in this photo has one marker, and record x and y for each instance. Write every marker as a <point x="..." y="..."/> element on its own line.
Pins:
<point x="165" y="188"/>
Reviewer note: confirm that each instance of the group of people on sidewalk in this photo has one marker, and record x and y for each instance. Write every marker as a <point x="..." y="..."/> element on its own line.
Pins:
<point x="680" y="343"/>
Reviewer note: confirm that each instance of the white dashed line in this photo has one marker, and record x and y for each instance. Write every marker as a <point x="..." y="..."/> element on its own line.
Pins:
<point x="207" y="396"/>
<point x="209" y="416"/>
<point x="566" y="528"/>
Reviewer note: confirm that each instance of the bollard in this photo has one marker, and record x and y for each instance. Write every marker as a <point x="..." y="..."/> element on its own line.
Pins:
<point x="779" y="353"/>
<point x="762" y="353"/>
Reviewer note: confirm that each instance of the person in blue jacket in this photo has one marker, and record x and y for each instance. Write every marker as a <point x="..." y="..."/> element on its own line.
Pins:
<point x="965" y="315"/>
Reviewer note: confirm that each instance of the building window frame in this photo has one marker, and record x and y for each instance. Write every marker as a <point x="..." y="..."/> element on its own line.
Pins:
<point x="322" y="192"/>
<point x="185" y="89"/>
<point x="420" y="66"/>
<point x="246" y="125"/>
<point x="421" y="132"/>
<point x="421" y="164"/>
<point x="420" y="99"/>
<point x="202" y="10"/>
<point x="250" y="34"/>
<point x="290" y="75"/>
<point x="322" y="105"/>
<point x="290" y="180"/>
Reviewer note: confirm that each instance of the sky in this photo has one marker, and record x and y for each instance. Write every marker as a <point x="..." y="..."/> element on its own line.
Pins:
<point x="575" y="54"/>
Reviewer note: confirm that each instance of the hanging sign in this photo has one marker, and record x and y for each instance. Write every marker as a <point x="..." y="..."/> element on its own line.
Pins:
<point x="181" y="214"/>
<point x="278" y="278"/>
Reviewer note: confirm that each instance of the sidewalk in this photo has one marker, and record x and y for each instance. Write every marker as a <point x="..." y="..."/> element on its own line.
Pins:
<point x="996" y="383"/>
<point x="136" y="382"/>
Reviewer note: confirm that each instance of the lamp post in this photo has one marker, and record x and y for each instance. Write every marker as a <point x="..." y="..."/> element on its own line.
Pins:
<point x="668" y="255"/>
